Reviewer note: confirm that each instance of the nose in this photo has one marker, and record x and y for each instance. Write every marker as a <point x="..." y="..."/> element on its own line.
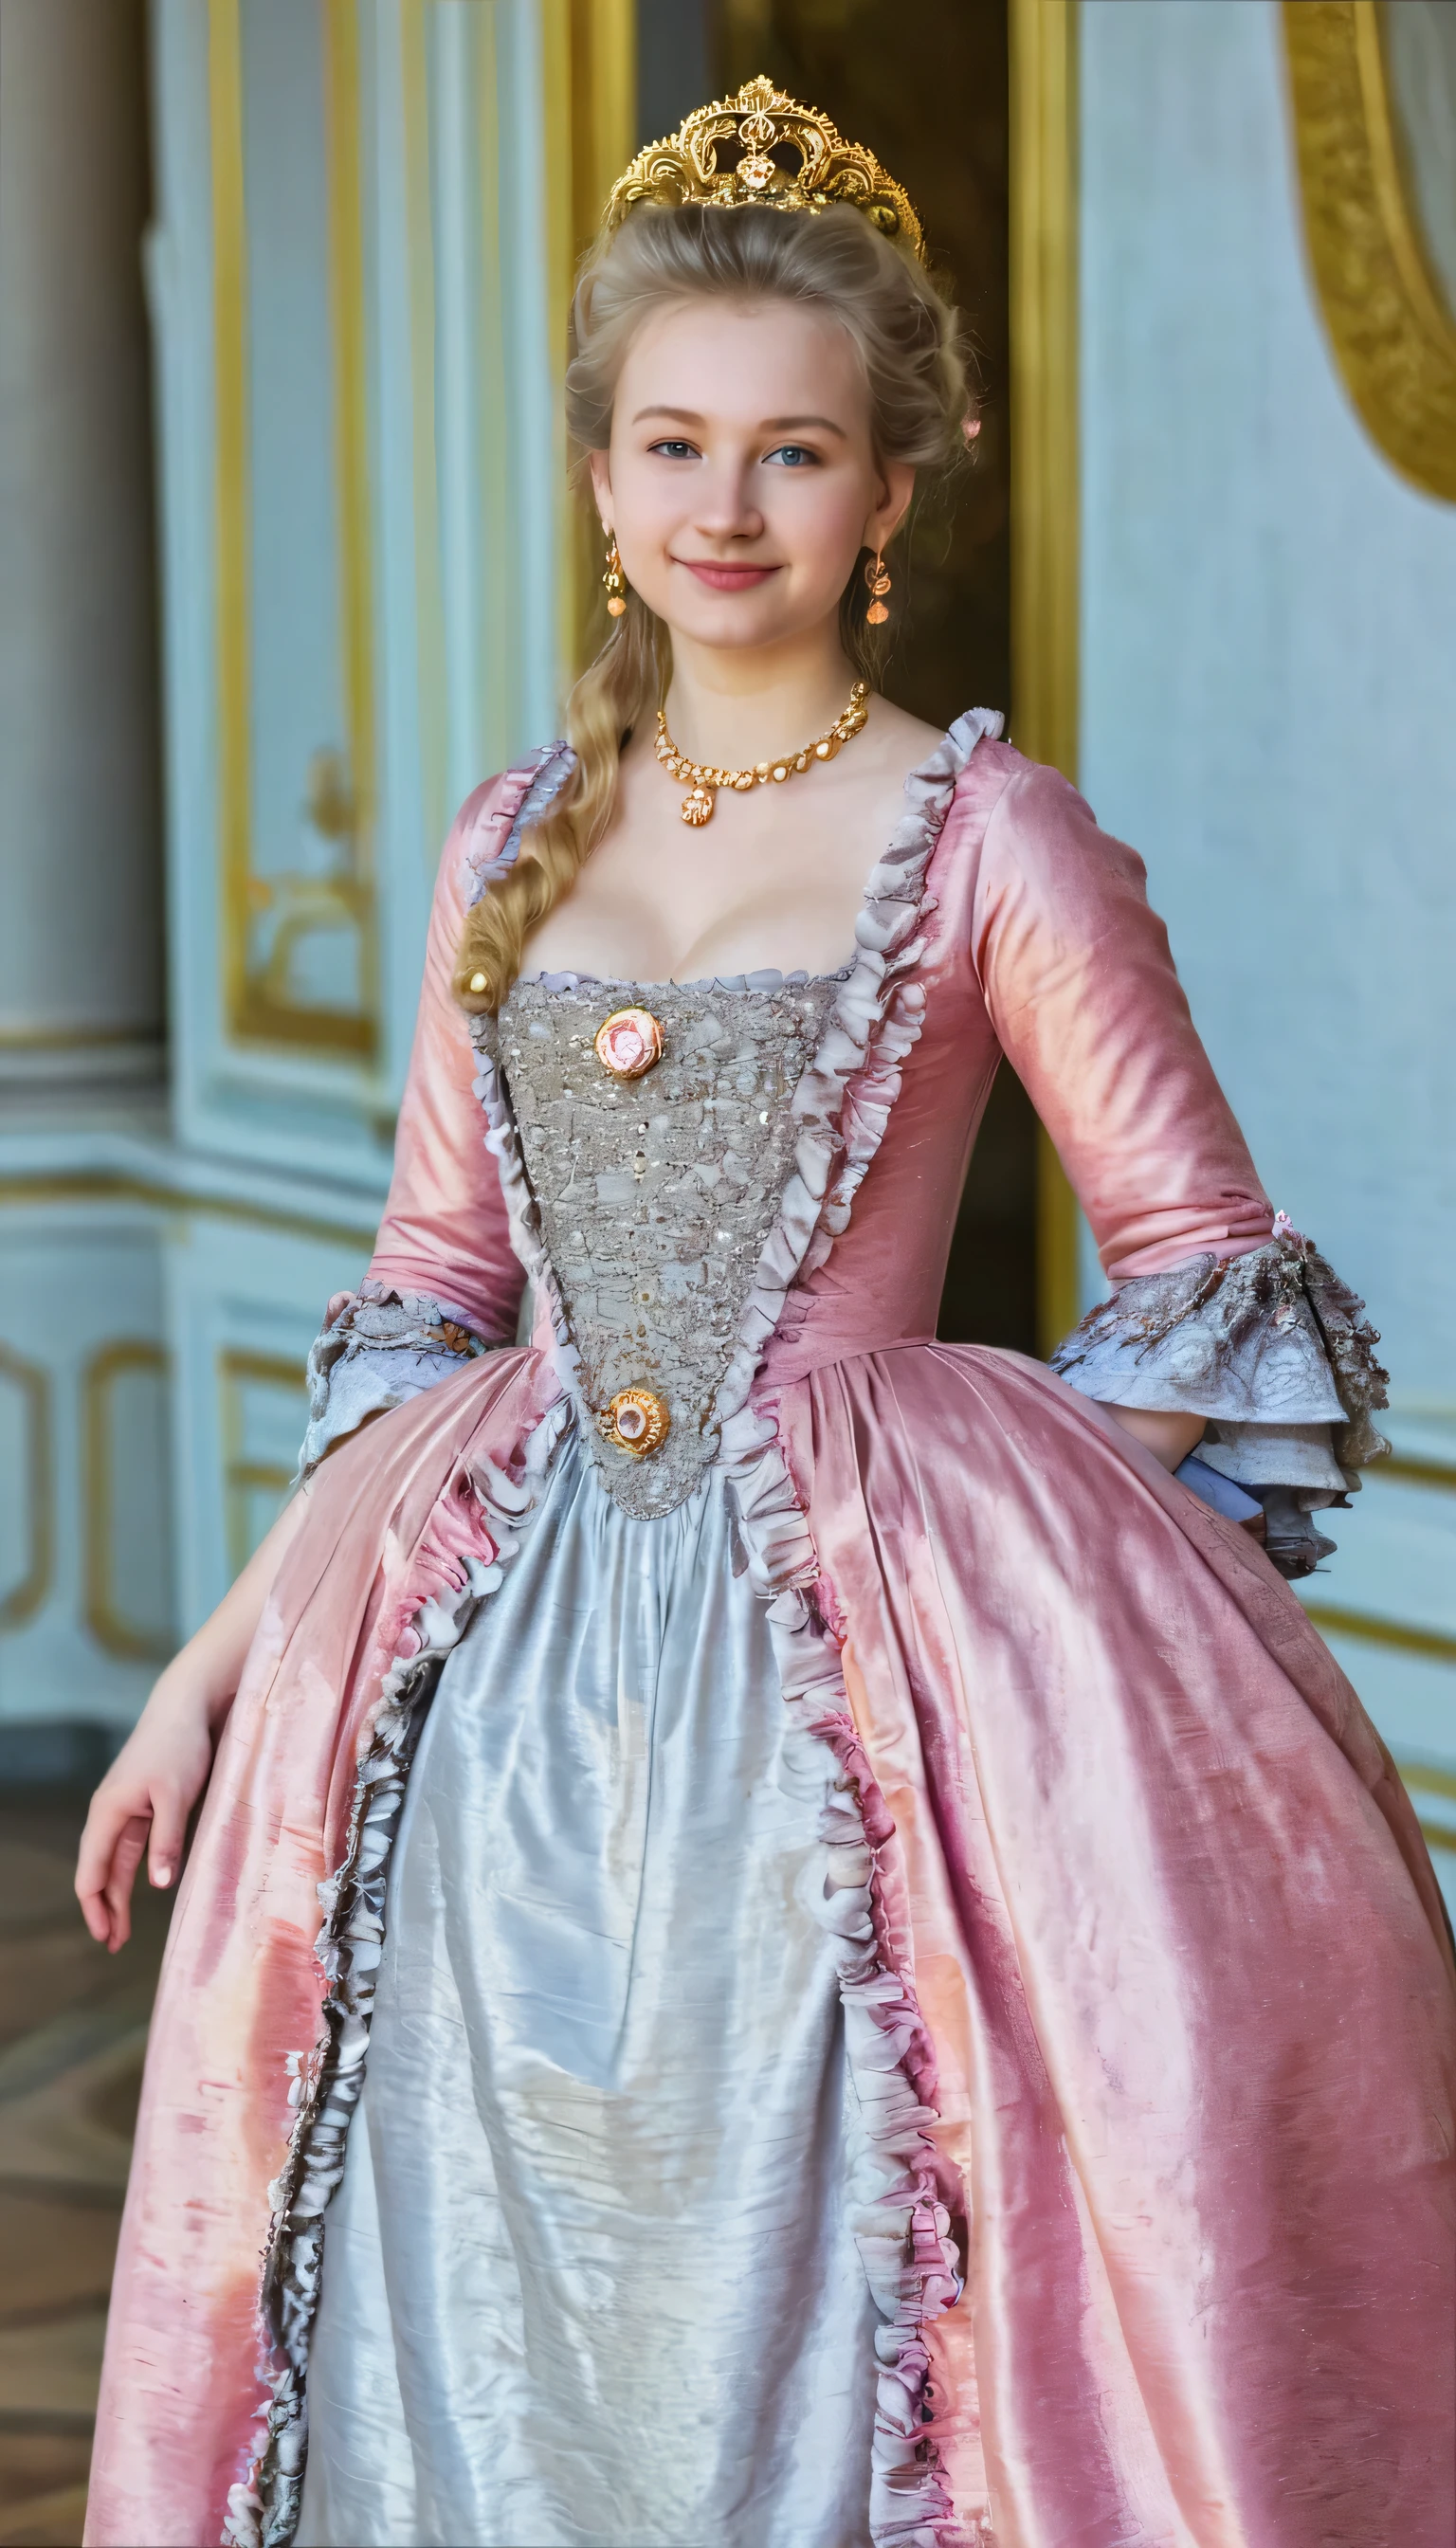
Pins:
<point x="724" y="508"/>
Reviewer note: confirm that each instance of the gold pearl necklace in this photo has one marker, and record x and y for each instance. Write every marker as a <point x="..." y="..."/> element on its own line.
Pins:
<point x="704" y="780"/>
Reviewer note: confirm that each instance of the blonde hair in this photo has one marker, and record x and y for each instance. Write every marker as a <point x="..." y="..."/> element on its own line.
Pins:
<point x="907" y="336"/>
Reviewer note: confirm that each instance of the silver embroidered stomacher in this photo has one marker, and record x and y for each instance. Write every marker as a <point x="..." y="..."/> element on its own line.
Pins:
<point x="657" y="1194"/>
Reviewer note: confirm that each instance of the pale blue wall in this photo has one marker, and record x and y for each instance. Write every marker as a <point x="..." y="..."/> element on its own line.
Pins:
<point x="1269" y="656"/>
<point x="1269" y="713"/>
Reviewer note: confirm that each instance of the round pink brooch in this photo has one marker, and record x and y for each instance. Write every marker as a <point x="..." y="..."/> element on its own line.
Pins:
<point x="629" y="1043"/>
<point x="637" y="1420"/>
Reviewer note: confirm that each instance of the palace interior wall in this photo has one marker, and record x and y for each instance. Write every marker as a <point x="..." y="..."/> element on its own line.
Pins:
<point x="1268" y="665"/>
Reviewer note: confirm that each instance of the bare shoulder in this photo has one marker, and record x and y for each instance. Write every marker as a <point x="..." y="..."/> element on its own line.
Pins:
<point x="897" y="739"/>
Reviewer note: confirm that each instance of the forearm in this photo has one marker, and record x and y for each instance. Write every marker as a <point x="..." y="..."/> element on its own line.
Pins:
<point x="203" y="1677"/>
<point x="1169" y="1438"/>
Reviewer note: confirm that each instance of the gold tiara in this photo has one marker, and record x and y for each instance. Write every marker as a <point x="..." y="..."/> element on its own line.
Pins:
<point x="759" y="122"/>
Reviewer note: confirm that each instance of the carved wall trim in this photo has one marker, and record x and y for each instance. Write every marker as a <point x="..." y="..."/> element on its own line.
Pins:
<point x="339" y="792"/>
<point x="1393" y="335"/>
<point x="589" y="86"/>
<point x="30" y="1590"/>
<point x="104" y="1462"/>
<point x="244" y="1474"/>
<point x="1046" y="526"/>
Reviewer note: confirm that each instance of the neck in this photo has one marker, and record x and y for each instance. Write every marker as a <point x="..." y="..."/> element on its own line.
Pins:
<point x="731" y="708"/>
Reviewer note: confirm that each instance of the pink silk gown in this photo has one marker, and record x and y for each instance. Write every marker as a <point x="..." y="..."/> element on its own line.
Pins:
<point x="1147" y="1983"/>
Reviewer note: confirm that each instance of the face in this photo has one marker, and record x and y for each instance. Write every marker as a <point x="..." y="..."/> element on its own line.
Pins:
<point x="740" y="482"/>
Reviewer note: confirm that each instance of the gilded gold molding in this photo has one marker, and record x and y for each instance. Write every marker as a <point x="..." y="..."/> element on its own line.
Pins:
<point x="108" y="1623"/>
<point x="589" y="83"/>
<point x="1437" y="1782"/>
<point x="1046" y="537"/>
<point x="26" y="1598"/>
<point x="1396" y="1634"/>
<point x="1419" y="1777"/>
<point x="254" y="1010"/>
<point x="1393" y="335"/>
<point x="242" y="1477"/>
<point x="1418" y="1472"/>
<point x="87" y="1185"/>
<point x="78" y="1038"/>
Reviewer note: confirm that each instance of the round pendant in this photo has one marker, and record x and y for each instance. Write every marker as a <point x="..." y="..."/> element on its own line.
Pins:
<point x="636" y="1421"/>
<point x="698" y="805"/>
<point x="629" y="1044"/>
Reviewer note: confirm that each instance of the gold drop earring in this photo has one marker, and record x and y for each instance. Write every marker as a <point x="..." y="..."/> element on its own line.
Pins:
<point x="613" y="582"/>
<point x="877" y="577"/>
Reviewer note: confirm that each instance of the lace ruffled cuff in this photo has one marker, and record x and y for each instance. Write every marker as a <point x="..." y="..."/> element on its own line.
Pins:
<point x="1274" y="1350"/>
<point x="377" y="1349"/>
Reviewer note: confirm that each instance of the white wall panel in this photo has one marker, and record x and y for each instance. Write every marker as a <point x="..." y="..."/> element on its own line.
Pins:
<point x="1269" y="657"/>
<point x="242" y="1310"/>
<point x="1268" y="672"/>
<point x="87" y="1600"/>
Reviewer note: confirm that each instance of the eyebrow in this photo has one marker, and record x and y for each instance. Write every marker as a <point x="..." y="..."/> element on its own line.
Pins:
<point x="770" y="424"/>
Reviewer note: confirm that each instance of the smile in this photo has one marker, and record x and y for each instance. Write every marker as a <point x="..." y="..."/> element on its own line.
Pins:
<point x="726" y="579"/>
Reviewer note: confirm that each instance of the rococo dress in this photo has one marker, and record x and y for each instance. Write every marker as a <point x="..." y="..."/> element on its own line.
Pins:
<point x="877" y="1985"/>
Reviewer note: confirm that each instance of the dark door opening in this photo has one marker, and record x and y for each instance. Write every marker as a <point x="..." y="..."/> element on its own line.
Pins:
<point x="924" y="85"/>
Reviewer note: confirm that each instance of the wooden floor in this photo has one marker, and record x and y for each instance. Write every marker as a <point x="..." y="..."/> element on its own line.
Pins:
<point x="73" y="2026"/>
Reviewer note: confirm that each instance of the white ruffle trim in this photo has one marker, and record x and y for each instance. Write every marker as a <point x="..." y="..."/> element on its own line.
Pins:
<point x="494" y="844"/>
<point x="377" y="1350"/>
<point x="843" y="1102"/>
<point x="471" y="1535"/>
<point x="901" y="2218"/>
<point x="1270" y="1347"/>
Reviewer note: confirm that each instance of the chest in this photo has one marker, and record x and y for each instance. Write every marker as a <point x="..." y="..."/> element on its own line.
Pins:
<point x="657" y="1150"/>
<point x="775" y="878"/>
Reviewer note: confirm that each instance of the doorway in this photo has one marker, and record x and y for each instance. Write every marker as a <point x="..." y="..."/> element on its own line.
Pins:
<point x="926" y="86"/>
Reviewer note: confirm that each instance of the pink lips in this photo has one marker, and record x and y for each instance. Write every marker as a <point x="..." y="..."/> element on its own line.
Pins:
<point x="726" y="579"/>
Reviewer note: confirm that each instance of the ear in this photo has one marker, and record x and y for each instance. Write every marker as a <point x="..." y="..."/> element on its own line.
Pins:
<point x="896" y="487"/>
<point x="599" y="465"/>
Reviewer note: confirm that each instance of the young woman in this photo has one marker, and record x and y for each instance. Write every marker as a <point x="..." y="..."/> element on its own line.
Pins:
<point x="903" y="1999"/>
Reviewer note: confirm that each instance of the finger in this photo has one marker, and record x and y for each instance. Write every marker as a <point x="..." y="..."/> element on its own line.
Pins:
<point x="105" y="1824"/>
<point x="125" y="1858"/>
<point x="168" y="1832"/>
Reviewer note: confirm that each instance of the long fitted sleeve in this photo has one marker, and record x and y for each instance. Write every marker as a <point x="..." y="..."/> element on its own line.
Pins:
<point x="444" y="1281"/>
<point x="1087" y="1005"/>
<point x="445" y="1231"/>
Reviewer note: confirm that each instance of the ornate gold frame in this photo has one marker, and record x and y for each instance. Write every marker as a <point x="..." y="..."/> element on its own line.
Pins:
<point x="27" y="1597"/>
<point x="240" y="1475"/>
<point x="113" y="1631"/>
<point x="1393" y="336"/>
<point x="1045" y="555"/>
<point x="589" y="82"/>
<point x="252" y="1011"/>
<point x="1418" y="1775"/>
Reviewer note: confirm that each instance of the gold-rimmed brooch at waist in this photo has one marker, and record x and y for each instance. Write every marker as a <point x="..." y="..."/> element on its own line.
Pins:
<point x="629" y="1043"/>
<point x="635" y="1420"/>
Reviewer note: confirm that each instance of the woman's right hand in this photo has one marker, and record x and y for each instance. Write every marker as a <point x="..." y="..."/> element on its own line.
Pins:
<point x="141" y="1806"/>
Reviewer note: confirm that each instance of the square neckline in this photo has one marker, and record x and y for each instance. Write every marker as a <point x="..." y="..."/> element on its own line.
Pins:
<point x="767" y="978"/>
